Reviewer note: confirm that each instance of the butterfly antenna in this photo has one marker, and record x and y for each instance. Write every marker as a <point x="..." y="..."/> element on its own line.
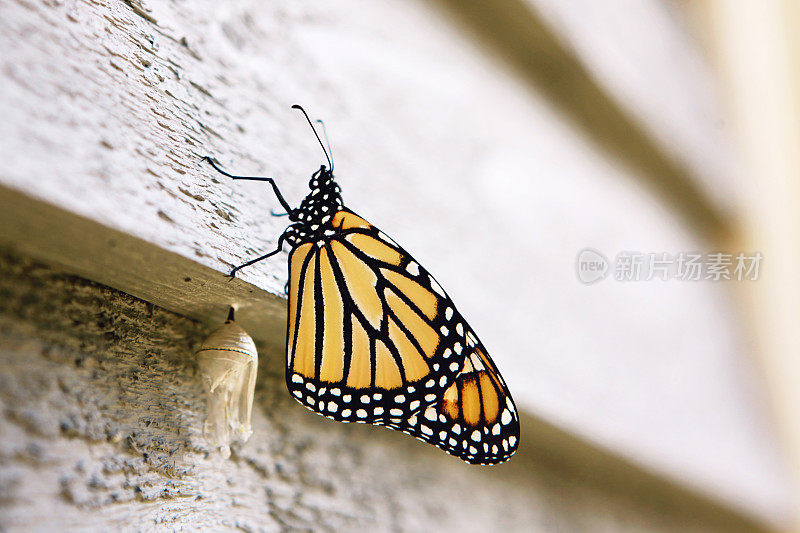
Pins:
<point x="330" y="164"/>
<point x="327" y="141"/>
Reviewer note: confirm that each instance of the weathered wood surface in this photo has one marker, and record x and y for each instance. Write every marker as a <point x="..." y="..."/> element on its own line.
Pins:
<point x="107" y="108"/>
<point x="101" y="411"/>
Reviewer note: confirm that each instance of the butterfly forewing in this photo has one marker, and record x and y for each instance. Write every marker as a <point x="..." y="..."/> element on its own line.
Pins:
<point x="371" y="335"/>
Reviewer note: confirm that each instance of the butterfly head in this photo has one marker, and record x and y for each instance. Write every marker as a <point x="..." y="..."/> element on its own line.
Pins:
<point x="316" y="211"/>
<point x="324" y="200"/>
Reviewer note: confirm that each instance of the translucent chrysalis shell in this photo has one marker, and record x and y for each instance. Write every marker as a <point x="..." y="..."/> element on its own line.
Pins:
<point x="228" y="362"/>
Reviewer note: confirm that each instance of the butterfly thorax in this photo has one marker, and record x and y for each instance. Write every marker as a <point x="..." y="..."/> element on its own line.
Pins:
<point x="316" y="210"/>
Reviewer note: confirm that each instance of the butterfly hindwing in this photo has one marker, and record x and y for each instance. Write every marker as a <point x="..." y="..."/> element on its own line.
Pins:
<point x="475" y="419"/>
<point x="371" y="335"/>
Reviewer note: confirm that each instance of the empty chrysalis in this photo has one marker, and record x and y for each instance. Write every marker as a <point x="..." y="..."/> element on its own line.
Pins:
<point x="228" y="362"/>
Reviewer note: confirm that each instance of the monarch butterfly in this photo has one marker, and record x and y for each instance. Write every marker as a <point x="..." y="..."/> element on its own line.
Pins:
<point x="373" y="338"/>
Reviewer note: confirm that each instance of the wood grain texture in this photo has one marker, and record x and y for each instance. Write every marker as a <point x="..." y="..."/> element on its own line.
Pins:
<point x="108" y="106"/>
<point x="101" y="413"/>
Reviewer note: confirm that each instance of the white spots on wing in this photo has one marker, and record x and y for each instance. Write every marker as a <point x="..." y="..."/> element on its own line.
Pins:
<point x="436" y="287"/>
<point x="430" y="414"/>
<point x="361" y="413"/>
<point x="346" y="413"/>
<point x="444" y="330"/>
<point x="425" y="429"/>
<point x="448" y="313"/>
<point x="386" y="238"/>
<point x="413" y="405"/>
<point x="396" y="412"/>
<point x="297" y="393"/>
<point x="430" y="383"/>
<point x="399" y="398"/>
<point x="311" y="387"/>
<point x="510" y="406"/>
<point x="506" y="418"/>
<point x="460" y="328"/>
<point x="447" y="353"/>
<point x="365" y="399"/>
<point x="413" y="268"/>
<point x="333" y="407"/>
<point x="456" y="429"/>
<point x="471" y="340"/>
<point x="443" y="381"/>
<point x="297" y="378"/>
<point x="346" y="398"/>
<point x="336" y="392"/>
<point x="442" y="435"/>
<point x="430" y="397"/>
<point x="378" y="410"/>
<point x="454" y="366"/>
<point x="377" y="396"/>
<point x="512" y="440"/>
<point x="476" y="436"/>
<point x="473" y="450"/>
<point x="458" y="348"/>
<point x="496" y="429"/>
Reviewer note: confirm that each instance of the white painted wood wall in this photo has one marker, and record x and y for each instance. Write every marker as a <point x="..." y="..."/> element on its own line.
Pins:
<point x="107" y="108"/>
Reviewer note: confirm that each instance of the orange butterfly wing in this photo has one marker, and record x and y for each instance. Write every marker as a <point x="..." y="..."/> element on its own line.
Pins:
<point x="370" y="334"/>
<point x="475" y="420"/>
<point x="373" y="338"/>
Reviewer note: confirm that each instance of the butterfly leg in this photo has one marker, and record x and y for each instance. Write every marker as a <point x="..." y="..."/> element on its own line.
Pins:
<point x="277" y="250"/>
<point x="271" y="181"/>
